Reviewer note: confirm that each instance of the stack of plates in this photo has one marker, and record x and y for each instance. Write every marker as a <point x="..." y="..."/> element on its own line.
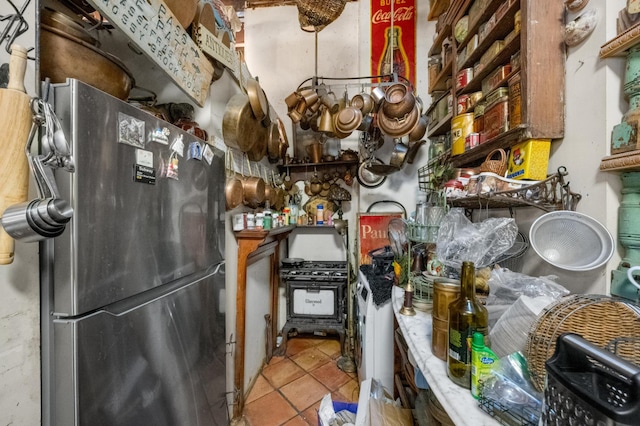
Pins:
<point x="510" y="333"/>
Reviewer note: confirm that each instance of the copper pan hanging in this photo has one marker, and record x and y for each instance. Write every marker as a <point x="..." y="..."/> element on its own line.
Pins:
<point x="233" y="186"/>
<point x="238" y="129"/>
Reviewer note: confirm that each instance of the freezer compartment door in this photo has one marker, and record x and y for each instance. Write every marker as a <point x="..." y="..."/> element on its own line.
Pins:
<point x="127" y="236"/>
<point x="159" y="363"/>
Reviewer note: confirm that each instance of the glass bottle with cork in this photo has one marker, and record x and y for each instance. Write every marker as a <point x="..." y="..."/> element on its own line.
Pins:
<point x="466" y="316"/>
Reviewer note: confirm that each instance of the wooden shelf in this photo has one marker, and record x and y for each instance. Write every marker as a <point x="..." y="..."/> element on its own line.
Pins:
<point x="621" y="43"/>
<point x="503" y="57"/>
<point x="436" y="48"/>
<point x="441" y="127"/>
<point x="301" y="171"/>
<point x="505" y="140"/>
<point x="540" y="42"/>
<point x="501" y="29"/>
<point x="623" y="162"/>
<point x="441" y="80"/>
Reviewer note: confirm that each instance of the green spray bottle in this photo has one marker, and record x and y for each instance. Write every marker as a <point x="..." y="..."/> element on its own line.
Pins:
<point x="482" y="361"/>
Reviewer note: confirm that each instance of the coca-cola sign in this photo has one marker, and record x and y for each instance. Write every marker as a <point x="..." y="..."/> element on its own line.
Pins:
<point x="400" y="14"/>
<point x="393" y="49"/>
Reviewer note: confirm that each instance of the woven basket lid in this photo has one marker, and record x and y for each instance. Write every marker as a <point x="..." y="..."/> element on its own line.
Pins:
<point x="610" y="323"/>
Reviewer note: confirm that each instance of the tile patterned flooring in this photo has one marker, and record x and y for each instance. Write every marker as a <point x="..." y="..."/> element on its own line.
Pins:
<point x="289" y="389"/>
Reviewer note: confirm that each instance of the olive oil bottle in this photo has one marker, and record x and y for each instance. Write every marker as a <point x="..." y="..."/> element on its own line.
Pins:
<point x="466" y="316"/>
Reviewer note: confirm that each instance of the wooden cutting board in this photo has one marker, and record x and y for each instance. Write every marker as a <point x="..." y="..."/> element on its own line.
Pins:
<point x="15" y="124"/>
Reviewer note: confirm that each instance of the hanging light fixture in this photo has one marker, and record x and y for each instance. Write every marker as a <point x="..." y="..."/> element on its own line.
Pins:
<point x="314" y="15"/>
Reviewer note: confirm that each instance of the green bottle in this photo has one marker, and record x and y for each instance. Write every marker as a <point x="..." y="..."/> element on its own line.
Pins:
<point x="466" y="316"/>
<point x="482" y="361"/>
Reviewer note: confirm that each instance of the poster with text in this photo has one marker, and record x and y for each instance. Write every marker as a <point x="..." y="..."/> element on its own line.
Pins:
<point x="395" y="45"/>
<point x="372" y="233"/>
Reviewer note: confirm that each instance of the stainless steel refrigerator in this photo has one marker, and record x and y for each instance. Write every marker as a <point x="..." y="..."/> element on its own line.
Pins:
<point x="133" y="290"/>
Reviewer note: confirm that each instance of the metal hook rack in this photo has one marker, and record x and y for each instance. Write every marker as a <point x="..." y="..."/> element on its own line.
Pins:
<point x="16" y="26"/>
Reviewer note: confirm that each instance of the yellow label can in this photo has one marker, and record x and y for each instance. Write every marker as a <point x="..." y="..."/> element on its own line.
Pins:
<point x="461" y="126"/>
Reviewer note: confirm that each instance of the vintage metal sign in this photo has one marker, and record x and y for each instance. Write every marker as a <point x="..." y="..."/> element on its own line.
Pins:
<point x="372" y="233"/>
<point x="152" y="27"/>
<point x="393" y="45"/>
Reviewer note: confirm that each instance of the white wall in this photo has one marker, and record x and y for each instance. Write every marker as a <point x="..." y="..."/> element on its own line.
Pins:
<point x="20" y="296"/>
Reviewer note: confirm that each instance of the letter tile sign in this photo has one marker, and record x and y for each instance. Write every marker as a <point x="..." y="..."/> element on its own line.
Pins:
<point x="152" y="27"/>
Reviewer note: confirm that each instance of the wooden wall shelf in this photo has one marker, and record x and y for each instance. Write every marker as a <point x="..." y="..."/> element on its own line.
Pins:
<point x="302" y="171"/>
<point x="541" y="50"/>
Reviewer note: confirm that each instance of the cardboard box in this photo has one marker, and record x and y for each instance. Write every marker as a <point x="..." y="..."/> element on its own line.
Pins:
<point x="529" y="159"/>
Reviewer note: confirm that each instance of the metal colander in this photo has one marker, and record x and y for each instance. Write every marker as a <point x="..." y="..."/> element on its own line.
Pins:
<point x="571" y="240"/>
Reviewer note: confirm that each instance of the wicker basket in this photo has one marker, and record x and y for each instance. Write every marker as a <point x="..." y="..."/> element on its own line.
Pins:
<point x="314" y="15"/>
<point x="609" y="323"/>
<point x="497" y="166"/>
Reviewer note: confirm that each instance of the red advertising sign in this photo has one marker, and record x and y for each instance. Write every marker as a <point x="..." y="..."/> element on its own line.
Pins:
<point x="372" y="233"/>
<point x="397" y="43"/>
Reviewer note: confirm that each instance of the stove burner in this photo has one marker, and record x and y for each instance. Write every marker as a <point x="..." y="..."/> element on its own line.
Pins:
<point x="315" y="270"/>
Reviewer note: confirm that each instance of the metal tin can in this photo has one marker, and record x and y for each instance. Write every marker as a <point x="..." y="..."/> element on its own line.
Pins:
<point x="463" y="77"/>
<point x="445" y="291"/>
<point x="496" y="118"/>
<point x="471" y="141"/>
<point x="462" y="104"/>
<point x="461" y="126"/>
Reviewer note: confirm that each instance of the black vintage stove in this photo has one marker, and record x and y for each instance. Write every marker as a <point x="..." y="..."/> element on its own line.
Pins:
<point x="315" y="298"/>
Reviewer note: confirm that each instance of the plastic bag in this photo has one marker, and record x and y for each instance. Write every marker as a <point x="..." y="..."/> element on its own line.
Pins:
<point x="482" y="243"/>
<point x="506" y="286"/>
<point x="508" y="391"/>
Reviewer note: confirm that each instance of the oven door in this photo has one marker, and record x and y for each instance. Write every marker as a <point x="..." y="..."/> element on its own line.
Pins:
<point x="315" y="300"/>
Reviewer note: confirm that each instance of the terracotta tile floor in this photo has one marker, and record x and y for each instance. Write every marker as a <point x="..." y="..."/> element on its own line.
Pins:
<point x="289" y="389"/>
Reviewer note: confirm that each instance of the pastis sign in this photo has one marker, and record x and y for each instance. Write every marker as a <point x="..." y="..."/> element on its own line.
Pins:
<point x="152" y="27"/>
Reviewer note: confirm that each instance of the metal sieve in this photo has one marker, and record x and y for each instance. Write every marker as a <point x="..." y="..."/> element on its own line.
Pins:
<point x="571" y="240"/>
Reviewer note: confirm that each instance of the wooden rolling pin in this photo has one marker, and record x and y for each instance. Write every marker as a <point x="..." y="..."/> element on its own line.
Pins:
<point x="15" y="124"/>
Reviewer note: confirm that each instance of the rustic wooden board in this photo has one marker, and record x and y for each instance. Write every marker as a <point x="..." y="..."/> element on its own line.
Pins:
<point x="618" y="45"/>
<point x="213" y="47"/>
<point x="155" y="30"/>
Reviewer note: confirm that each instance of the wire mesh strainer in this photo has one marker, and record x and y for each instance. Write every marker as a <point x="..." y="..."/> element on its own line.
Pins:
<point x="571" y="240"/>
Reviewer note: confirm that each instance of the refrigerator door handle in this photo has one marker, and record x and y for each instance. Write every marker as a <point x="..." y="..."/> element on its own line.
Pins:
<point x="131" y="304"/>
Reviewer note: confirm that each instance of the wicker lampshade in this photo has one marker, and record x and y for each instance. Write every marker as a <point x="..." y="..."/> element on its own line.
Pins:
<point x="314" y="15"/>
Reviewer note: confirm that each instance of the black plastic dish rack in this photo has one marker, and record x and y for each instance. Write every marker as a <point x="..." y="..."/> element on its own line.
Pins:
<point x="590" y="385"/>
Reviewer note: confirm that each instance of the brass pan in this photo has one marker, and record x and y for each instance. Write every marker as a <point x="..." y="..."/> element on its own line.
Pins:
<point x="240" y="130"/>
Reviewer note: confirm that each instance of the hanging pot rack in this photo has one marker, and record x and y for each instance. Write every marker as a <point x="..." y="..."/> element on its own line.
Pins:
<point x="318" y="82"/>
<point x="389" y="79"/>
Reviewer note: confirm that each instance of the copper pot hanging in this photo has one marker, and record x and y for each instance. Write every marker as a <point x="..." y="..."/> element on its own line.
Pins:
<point x="253" y="189"/>
<point x="240" y="130"/>
<point x="233" y="189"/>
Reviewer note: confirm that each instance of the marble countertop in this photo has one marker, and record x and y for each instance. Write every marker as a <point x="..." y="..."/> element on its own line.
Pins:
<point x="457" y="401"/>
